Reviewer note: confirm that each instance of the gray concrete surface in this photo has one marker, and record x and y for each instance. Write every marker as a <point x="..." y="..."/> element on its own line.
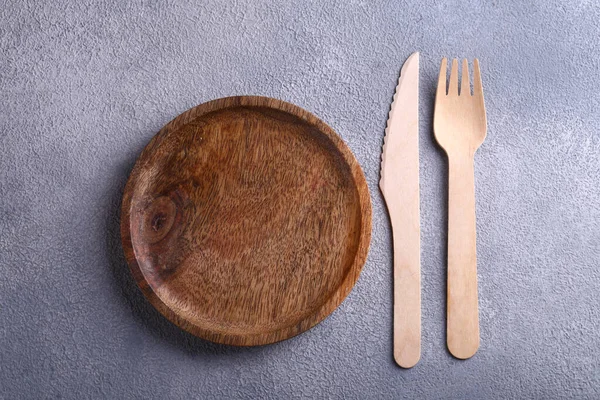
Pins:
<point x="84" y="86"/>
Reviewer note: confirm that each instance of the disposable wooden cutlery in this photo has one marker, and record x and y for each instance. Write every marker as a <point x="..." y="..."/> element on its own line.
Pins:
<point x="460" y="128"/>
<point x="400" y="187"/>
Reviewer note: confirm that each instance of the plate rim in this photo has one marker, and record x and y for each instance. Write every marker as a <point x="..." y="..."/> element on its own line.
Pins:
<point x="336" y="298"/>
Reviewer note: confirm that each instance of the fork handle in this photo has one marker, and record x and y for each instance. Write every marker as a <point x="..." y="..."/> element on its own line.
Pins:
<point x="462" y="313"/>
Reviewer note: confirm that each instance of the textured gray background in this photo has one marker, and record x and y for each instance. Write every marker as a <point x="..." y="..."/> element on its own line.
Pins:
<point x="85" y="85"/>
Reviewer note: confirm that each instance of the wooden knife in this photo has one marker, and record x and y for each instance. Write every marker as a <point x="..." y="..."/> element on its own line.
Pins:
<point x="400" y="187"/>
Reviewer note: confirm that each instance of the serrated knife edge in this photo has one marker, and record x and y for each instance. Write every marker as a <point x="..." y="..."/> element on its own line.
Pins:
<point x="412" y="61"/>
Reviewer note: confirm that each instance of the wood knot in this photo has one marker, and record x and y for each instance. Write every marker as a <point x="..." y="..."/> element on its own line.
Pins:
<point x="157" y="219"/>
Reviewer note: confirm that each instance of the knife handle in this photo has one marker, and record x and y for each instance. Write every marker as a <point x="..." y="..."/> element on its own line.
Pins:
<point x="403" y="207"/>
<point x="463" y="312"/>
<point x="407" y="293"/>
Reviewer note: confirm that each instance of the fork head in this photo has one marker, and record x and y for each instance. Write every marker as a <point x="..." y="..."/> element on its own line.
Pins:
<point x="459" y="120"/>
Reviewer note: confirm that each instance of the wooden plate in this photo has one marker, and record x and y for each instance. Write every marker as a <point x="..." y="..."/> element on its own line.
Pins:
<point x="246" y="220"/>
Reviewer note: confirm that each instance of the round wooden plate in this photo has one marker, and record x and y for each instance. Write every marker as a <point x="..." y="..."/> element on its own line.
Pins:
<point x="246" y="220"/>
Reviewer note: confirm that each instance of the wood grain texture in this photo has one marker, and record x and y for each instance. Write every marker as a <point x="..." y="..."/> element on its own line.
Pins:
<point x="246" y="220"/>
<point x="400" y="187"/>
<point x="460" y="128"/>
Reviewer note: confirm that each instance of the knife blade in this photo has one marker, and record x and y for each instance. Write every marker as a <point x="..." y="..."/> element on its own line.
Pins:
<point x="400" y="187"/>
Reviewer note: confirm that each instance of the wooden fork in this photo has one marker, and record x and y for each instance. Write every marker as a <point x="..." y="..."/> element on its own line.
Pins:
<point x="459" y="124"/>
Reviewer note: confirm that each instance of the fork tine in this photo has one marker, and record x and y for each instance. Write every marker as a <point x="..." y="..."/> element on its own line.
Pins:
<point x="465" y="85"/>
<point x="453" y="86"/>
<point x="441" y="88"/>
<point x="477" y="88"/>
